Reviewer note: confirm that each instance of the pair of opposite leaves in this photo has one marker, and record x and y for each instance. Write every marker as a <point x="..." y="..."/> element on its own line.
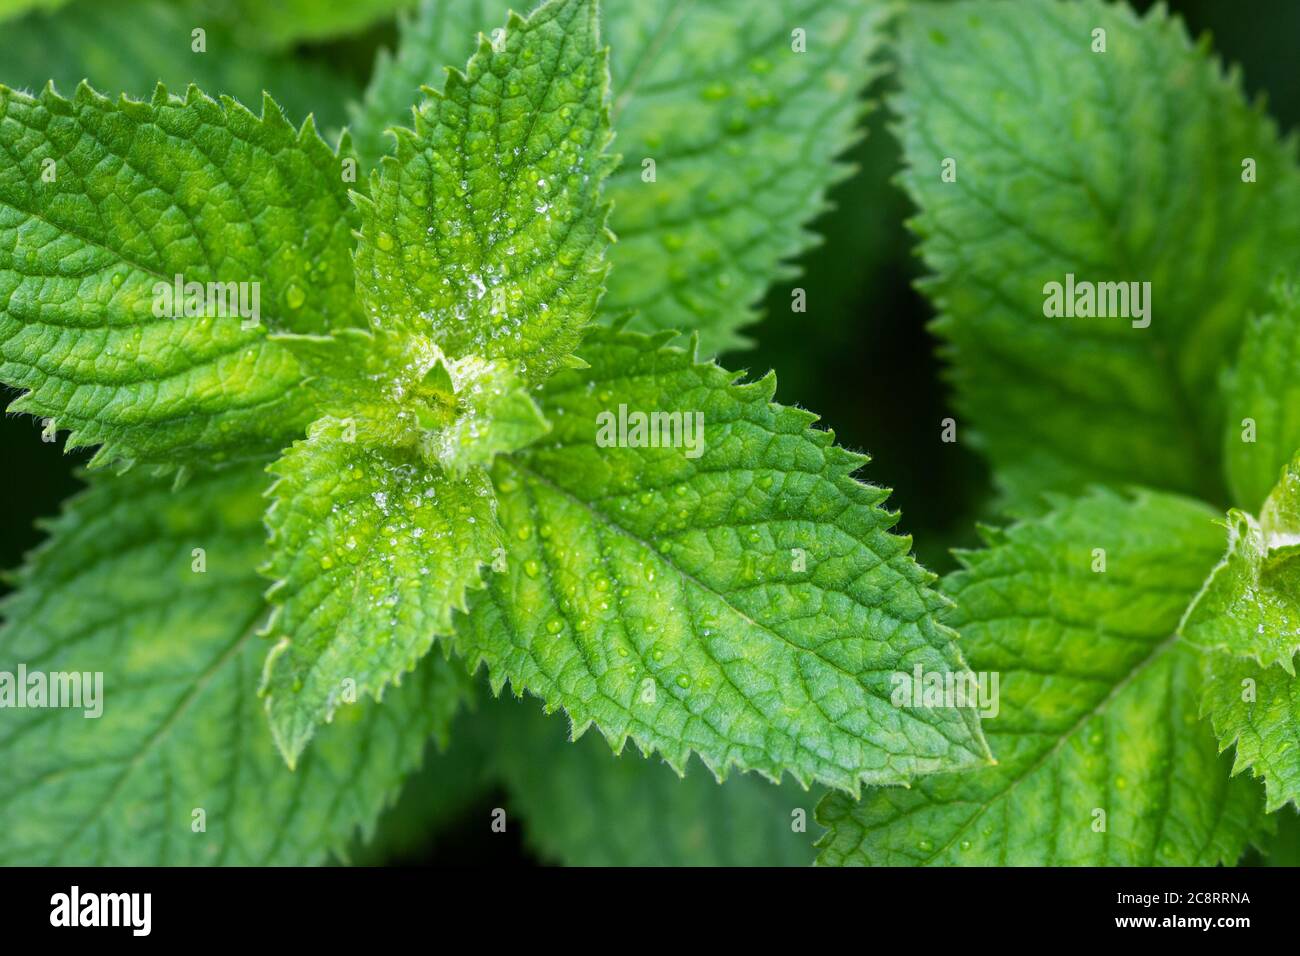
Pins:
<point x="756" y="666"/>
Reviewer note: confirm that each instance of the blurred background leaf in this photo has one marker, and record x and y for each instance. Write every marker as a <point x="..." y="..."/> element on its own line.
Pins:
<point x="129" y="46"/>
<point x="576" y="804"/>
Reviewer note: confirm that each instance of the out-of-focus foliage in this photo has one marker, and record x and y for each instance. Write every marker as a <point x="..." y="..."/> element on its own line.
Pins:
<point x="130" y="46"/>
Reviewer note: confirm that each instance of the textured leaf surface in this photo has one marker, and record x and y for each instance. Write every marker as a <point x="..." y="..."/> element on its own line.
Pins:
<point x="664" y="597"/>
<point x="744" y="132"/>
<point x="1257" y="710"/>
<point x="495" y="415"/>
<point x="1123" y="166"/>
<point x="371" y="550"/>
<point x="486" y="232"/>
<point x="1264" y="391"/>
<point x="130" y="46"/>
<point x="1250" y="605"/>
<point x="142" y="193"/>
<point x="1097" y="710"/>
<point x="182" y="729"/>
<point x="583" y="807"/>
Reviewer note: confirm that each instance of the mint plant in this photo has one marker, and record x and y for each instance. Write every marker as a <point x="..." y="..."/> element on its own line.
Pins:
<point x="1110" y="609"/>
<point x="423" y="385"/>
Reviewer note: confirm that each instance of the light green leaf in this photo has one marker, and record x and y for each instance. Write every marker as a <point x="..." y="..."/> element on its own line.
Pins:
<point x="130" y="46"/>
<point x="1009" y="91"/>
<point x="1250" y="604"/>
<point x="495" y="415"/>
<point x="744" y="132"/>
<point x="1101" y="758"/>
<point x="1247" y="617"/>
<point x="1257" y="710"/>
<point x="582" y="807"/>
<point x="486" y="232"/>
<point x="434" y="799"/>
<point x="371" y="550"/>
<point x="1263" y="395"/>
<point x="739" y="596"/>
<point x="456" y="413"/>
<point x="103" y="204"/>
<point x="115" y="591"/>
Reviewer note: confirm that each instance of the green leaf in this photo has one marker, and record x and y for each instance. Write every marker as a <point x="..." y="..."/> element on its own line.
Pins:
<point x="1263" y="396"/>
<point x="436" y="36"/>
<point x="1257" y="710"/>
<point x="142" y="193"/>
<point x="1250" y="604"/>
<point x="371" y="550"/>
<point x="582" y="807"/>
<point x="181" y="730"/>
<point x="744" y="132"/>
<point x="1097" y="710"/>
<point x="740" y="597"/>
<point x="486" y="232"/>
<point x="130" y="46"/>
<point x="1009" y="91"/>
